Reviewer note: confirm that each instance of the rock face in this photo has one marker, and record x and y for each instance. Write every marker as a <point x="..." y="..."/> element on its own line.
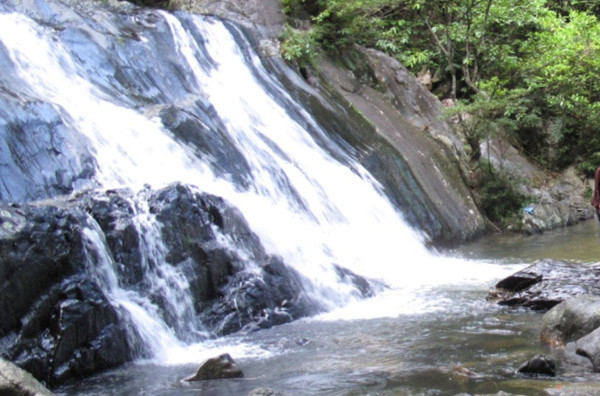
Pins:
<point x="64" y="260"/>
<point x="56" y="323"/>
<point x="406" y="118"/>
<point x="411" y="153"/>
<point x="547" y="283"/>
<point x="559" y="201"/>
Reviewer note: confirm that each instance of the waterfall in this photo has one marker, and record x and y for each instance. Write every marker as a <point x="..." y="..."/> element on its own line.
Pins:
<point x="302" y="193"/>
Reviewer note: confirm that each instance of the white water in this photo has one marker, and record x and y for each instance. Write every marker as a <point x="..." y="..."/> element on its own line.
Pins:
<point x="344" y="217"/>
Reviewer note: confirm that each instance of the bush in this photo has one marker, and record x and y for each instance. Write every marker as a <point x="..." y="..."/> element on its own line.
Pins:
<point x="500" y="200"/>
<point x="299" y="46"/>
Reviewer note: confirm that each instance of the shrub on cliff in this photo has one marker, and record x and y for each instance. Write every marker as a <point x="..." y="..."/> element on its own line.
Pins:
<point x="501" y="202"/>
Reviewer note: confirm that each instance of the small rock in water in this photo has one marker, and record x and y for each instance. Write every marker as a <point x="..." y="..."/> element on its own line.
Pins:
<point x="265" y="392"/>
<point x="539" y="365"/>
<point x="219" y="367"/>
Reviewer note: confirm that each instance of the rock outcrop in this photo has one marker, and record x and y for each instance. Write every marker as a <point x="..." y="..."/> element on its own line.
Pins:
<point x="57" y="282"/>
<point x="570" y="295"/>
<point x="546" y="283"/>
<point x="557" y="201"/>
<point x="404" y="117"/>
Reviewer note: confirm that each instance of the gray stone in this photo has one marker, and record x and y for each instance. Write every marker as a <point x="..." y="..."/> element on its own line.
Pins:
<point x="219" y="367"/>
<point x="15" y="381"/>
<point x="265" y="392"/>
<point x="571" y="320"/>
<point x="589" y="347"/>
<point x="546" y="283"/>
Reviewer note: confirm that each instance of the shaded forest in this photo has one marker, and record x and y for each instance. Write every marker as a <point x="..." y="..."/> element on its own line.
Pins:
<point x="525" y="71"/>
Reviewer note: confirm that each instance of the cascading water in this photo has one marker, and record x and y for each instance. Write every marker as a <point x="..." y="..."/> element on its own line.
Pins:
<point x="310" y="203"/>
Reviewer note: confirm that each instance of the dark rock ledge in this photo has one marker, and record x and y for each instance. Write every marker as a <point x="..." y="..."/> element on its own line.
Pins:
<point x="569" y="294"/>
<point x="546" y="283"/>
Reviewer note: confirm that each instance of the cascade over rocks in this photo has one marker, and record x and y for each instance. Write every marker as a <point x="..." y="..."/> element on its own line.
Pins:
<point x="58" y="321"/>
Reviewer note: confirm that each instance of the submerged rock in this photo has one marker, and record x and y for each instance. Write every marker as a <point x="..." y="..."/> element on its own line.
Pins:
<point x="546" y="283"/>
<point x="538" y="365"/>
<point x="219" y="367"/>
<point x="265" y="392"/>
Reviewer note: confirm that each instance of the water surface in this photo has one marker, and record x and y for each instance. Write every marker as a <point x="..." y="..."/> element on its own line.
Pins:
<point x="442" y="339"/>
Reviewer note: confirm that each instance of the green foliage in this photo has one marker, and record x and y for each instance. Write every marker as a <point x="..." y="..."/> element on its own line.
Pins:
<point x="500" y="200"/>
<point x="526" y="70"/>
<point x="590" y="163"/>
<point x="562" y="69"/>
<point x="299" y="46"/>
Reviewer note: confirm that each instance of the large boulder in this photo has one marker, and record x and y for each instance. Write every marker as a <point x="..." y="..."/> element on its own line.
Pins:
<point x="547" y="283"/>
<point x="589" y="347"/>
<point x="15" y="381"/>
<point x="56" y="323"/>
<point x="571" y="320"/>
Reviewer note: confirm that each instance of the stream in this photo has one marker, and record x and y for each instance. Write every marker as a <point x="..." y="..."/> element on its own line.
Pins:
<point x="440" y="339"/>
<point x="99" y="99"/>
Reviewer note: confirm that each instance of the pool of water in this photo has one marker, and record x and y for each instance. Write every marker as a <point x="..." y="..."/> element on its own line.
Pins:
<point x="441" y="339"/>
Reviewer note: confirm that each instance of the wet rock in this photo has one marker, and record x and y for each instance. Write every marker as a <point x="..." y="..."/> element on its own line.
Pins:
<point x="571" y="320"/>
<point x="546" y="283"/>
<point x="219" y="367"/>
<point x="56" y="323"/>
<point x="228" y="296"/>
<point x="57" y="319"/>
<point x="15" y="381"/>
<point x="40" y="154"/>
<point x="500" y="393"/>
<point x="406" y="121"/>
<point x="539" y="365"/>
<point x="589" y="347"/>
<point x="265" y="392"/>
<point x="252" y="301"/>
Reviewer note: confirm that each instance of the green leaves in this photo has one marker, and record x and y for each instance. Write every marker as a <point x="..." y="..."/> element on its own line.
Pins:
<point x="524" y="68"/>
<point x="299" y="46"/>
